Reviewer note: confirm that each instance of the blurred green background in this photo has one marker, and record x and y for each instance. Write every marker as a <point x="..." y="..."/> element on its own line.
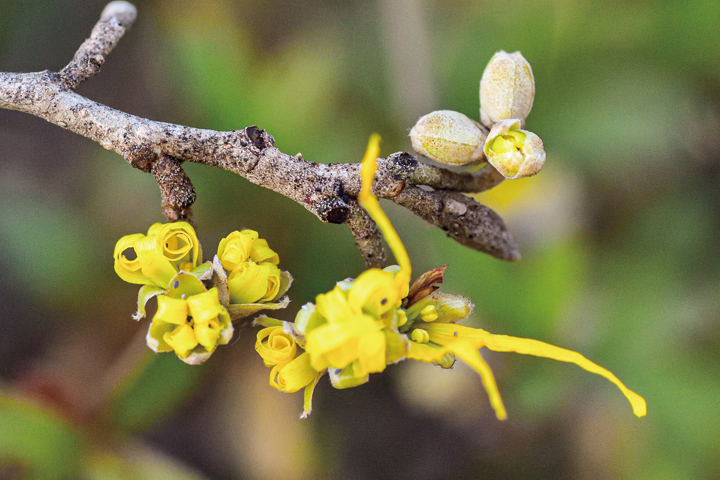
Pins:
<point x="619" y="237"/>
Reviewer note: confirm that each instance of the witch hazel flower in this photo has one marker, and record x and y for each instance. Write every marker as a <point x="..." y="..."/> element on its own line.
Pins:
<point x="196" y="302"/>
<point x="378" y="319"/>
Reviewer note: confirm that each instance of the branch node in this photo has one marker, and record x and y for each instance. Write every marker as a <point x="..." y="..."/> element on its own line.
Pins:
<point x="333" y="210"/>
<point x="177" y="191"/>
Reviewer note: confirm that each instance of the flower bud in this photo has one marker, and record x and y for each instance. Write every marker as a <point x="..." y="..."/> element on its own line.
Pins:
<point x="507" y="89"/>
<point x="513" y="152"/>
<point x="449" y="138"/>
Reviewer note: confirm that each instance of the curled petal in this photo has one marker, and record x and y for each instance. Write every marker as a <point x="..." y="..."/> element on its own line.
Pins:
<point x="275" y="346"/>
<point x="262" y="253"/>
<point x="182" y="339"/>
<point x="180" y="245"/>
<point x="205" y="306"/>
<point x="127" y="263"/>
<point x="171" y="310"/>
<point x="207" y="333"/>
<point x="295" y="374"/>
<point x="251" y="283"/>
<point x="235" y="249"/>
<point x="155" y="266"/>
<point x="154" y="229"/>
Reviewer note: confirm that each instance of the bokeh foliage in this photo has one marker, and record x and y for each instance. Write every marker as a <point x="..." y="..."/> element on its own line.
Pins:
<point x="618" y="236"/>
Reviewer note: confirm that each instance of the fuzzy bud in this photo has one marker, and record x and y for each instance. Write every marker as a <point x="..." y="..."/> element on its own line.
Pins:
<point x="448" y="137"/>
<point x="507" y="89"/>
<point x="513" y="152"/>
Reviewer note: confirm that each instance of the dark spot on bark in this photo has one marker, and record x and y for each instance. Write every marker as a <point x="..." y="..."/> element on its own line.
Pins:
<point x="333" y="210"/>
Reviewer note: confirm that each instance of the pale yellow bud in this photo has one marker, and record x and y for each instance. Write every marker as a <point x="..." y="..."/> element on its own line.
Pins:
<point x="448" y="137"/>
<point x="507" y="89"/>
<point x="513" y="152"/>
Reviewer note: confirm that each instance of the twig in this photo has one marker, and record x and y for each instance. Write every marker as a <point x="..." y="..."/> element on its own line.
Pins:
<point x="328" y="191"/>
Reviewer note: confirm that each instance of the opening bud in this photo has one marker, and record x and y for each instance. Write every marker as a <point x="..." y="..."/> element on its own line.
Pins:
<point x="507" y="89"/>
<point x="513" y="152"/>
<point x="448" y="137"/>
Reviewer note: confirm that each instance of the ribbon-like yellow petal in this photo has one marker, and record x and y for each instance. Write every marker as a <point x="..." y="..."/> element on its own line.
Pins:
<point x="279" y="349"/>
<point x="307" y="396"/>
<point x="180" y="244"/>
<point x="171" y="310"/>
<point x="235" y="249"/>
<point x="296" y="374"/>
<point x="469" y="354"/>
<point x="205" y="306"/>
<point x="207" y="333"/>
<point x="129" y="269"/>
<point x="448" y="333"/>
<point x="262" y="253"/>
<point x="154" y="265"/>
<point x="248" y="283"/>
<point x="182" y="340"/>
<point x="371" y="204"/>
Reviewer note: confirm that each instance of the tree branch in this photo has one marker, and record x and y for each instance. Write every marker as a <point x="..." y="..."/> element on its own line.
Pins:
<point x="328" y="191"/>
<point x="115" y="19"/>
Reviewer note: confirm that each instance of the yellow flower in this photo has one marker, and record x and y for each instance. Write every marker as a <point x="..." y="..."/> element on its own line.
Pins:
<point x="361" y="326"/>
<point x="513" y="152"/>
<point x="289" y="373"/>
<point x="189" y="321"/>
<point x="155" y="258"/>
<point x="348" y="337"/>
<point x="251" y="267"/>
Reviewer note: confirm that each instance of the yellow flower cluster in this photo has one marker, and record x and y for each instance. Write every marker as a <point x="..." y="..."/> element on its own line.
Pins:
<point x="253" y="274"/>
<point x="191" y="319"/>
<point x="361" y="326"/>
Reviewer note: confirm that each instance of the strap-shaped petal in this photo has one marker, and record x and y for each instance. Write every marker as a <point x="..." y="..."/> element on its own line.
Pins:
<point x="296" y="374"/>
<point x="447" y="333"/>
<point x="371" y="204"/>
<point x="180" y="244"/>
<point x="171" y="310"/>
<point x="275" y="346"/>
<point x="154" y="265"/>
<point x="205" y="306"/>
<point x="235" y="249"/>
<point x="248" y="283"/>
<point x="307" y="396"/>
<point x="262" y="253"/>
<point x="207" y="333"/>
<point x="182" y="340"/>
<point x="468" y="353"/>
<point x="128" y="269"/>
